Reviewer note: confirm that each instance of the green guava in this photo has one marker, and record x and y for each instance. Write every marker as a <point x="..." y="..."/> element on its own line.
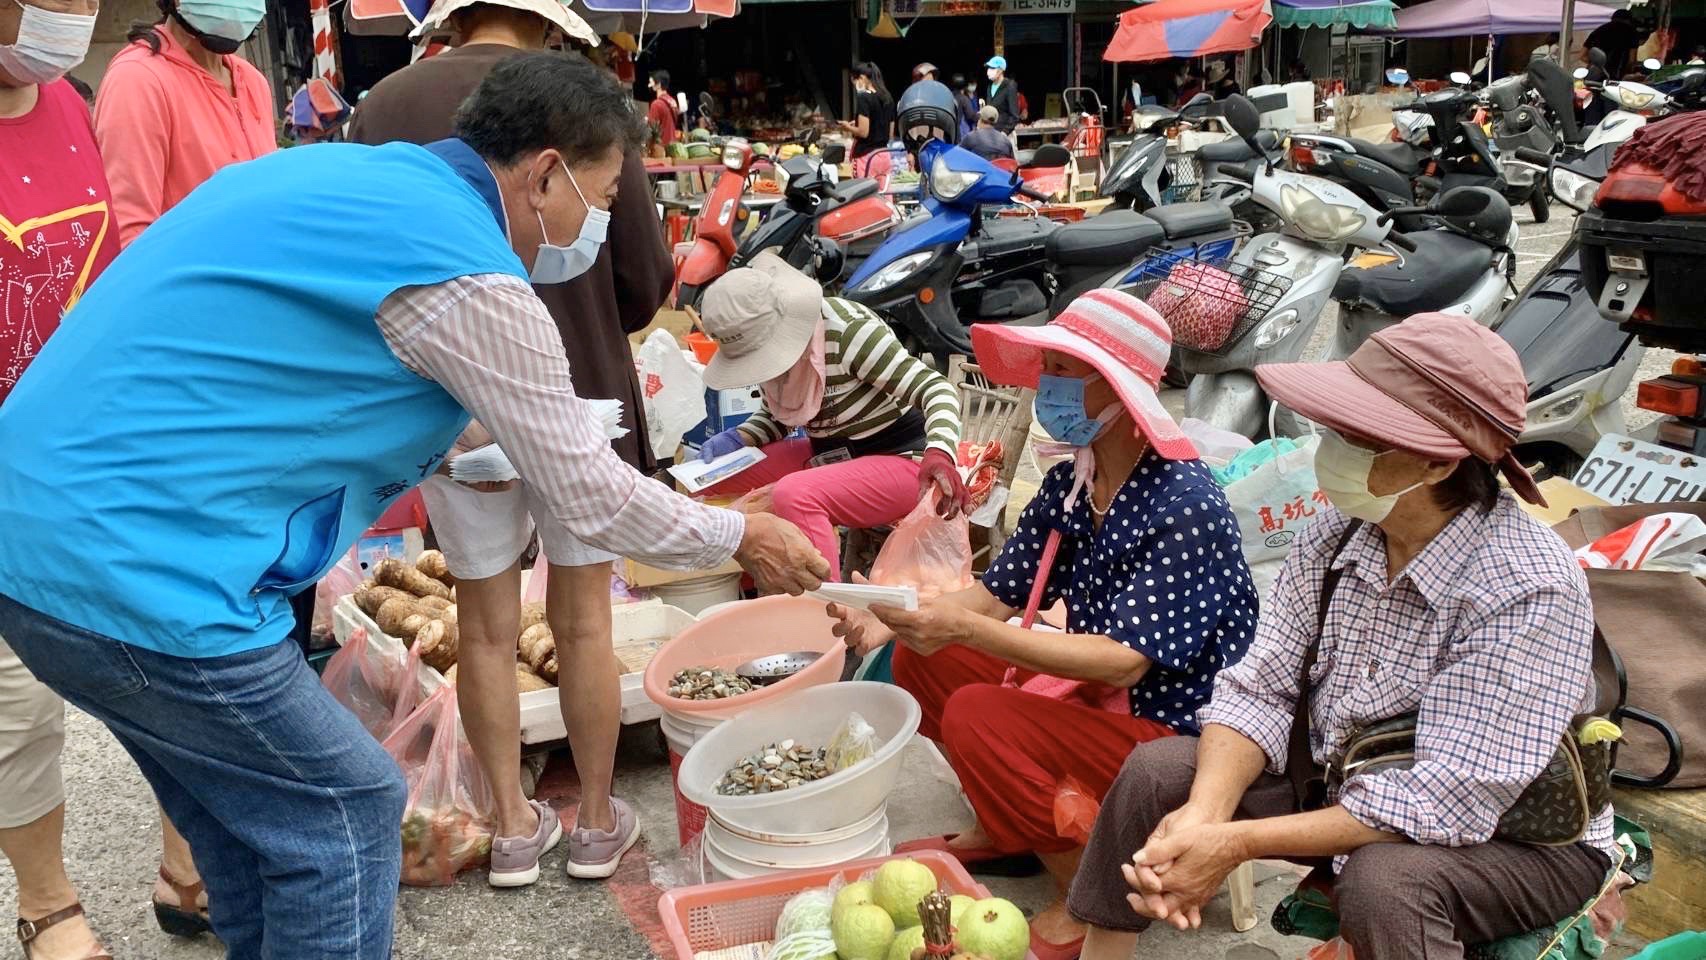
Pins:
<point x="851" y="895"/>
<point x="993" y="928"/>
<point x="905" y="942"/>
<point x="899" y="885"/>
<point x="862" y="931"/>
<point x="957" y="906"/>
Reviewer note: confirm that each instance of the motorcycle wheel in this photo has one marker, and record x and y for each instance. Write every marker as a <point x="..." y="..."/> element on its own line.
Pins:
<point x="1539" y="205"/>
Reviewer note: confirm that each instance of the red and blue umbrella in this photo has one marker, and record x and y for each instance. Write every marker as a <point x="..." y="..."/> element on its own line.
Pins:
<point x="1188" y="28"/>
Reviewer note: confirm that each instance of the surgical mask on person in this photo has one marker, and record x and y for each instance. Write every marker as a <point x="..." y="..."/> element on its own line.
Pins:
<point x="1342" y="469"/>
<point x="1060" y="409"/>
<point x="556" y="264"/>
<point x="221" y="25"/>
<point x="49" y="44"/>
<point x="993" y="74"/>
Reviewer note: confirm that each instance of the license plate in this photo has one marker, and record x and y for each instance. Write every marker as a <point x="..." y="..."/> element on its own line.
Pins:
<point x="1625" y="470"/>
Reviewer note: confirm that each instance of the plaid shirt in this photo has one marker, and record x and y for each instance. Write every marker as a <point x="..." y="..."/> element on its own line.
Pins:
<point x="1488" y="632"/>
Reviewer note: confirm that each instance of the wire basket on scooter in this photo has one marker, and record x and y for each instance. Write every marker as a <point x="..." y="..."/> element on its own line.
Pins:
<point x="1211" y="305"/>
<point x="1184" y="178"/>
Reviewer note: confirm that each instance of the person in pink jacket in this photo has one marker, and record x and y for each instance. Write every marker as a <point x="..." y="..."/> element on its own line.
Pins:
<point x="177" y="104"/>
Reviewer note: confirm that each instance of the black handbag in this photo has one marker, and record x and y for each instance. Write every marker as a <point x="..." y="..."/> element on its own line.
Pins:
<point x="1555" y="808"/>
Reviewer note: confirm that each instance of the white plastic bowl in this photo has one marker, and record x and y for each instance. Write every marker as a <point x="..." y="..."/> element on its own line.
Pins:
<point x="725" y="867"/>
<point x="811" y="718"/>
<point x="745" y="851"/>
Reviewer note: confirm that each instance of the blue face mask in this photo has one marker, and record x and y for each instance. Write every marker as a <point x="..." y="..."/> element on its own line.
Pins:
<point x="1060" y="409"/>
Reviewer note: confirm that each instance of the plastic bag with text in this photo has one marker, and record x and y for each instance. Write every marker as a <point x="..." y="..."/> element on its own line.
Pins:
<point x="1273" y="504"/>
<point x="673" y="392"/>
<point x="1075" y="811"/>
<point x="447" y="823"/>
<point x="927" y="553"/>
<point x="366" y="678"/>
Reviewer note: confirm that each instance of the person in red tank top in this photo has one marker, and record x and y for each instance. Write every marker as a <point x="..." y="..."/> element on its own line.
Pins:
<point x="661" y="113"/>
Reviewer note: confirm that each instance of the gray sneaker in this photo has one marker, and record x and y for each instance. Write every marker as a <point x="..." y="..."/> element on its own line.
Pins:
<point x="515" y="860"/>
<point x="595" y="854"/>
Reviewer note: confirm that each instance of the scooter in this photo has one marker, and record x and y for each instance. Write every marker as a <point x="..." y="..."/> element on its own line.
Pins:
<point x="939" y="274"/>
<point x="1139" y="178"/>
<point x="715" y="227"/>
<point x="1533" y="111"/>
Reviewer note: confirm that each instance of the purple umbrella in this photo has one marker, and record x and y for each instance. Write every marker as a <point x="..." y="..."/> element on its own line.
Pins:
<point x="1465" y="18"/>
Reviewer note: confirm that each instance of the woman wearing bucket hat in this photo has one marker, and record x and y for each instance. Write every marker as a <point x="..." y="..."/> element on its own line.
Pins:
<point x="1445" y="600"/>
<point x="835" y="368"/>
<point x="1135" y="537"/>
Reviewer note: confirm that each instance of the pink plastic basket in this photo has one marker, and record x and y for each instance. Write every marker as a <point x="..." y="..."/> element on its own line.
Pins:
<point x="715" y="916"/>
<point x="745" y="631"/>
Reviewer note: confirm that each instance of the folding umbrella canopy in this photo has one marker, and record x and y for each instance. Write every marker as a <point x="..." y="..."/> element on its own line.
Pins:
<point x="1188" y="28"/>
<point x="1464" y="18"/>
<point x="1366" y="14"/>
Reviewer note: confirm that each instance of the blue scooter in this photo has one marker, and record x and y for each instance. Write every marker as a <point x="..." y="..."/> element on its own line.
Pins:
<point x="943" y="272"/>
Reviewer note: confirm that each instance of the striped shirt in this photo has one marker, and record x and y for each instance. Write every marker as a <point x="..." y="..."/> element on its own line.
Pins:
<point x="870" y="382"/>
<point x="489" y="341"/>
<point x="1488" y="633"/>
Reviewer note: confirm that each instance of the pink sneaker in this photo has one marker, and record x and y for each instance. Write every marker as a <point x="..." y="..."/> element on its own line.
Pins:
<point x="515" y="860"/>
<point x="595" y="854"/>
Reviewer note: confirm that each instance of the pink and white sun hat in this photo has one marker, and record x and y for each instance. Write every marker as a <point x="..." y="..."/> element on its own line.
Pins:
<point x="1121" y="336"/>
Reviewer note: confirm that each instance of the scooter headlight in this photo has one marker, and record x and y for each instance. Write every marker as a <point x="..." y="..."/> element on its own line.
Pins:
<point x="1635" y="98"/>
<point x="1276" y="328"/>
<point x="1573" y="189"/>
<point x="1561" y="409"/>
<point x="947" y="183"/>
<point x="897" y="271"/>
<point x="734" y="154"/>
<point x="1317" y="218"/>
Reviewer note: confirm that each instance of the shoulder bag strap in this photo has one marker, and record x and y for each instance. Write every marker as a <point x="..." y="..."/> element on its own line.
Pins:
<point x="1307" y="783"/>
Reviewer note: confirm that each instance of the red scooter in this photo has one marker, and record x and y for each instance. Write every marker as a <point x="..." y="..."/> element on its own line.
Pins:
<point x="715" y="228"/>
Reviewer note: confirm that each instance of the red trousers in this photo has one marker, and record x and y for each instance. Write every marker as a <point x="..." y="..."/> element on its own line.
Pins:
<point x="1012" y="749"/>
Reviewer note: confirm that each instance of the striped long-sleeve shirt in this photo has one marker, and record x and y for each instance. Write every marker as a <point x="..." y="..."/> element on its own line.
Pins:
<point x="870" y="382"/>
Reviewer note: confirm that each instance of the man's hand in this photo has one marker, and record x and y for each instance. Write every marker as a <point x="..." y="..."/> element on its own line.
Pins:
<point x="933" y="626"/>
<point x="1191" y="863"/>
<point x="857" y="628"/>
<point x="473" y="437"/>
<point x="779" y="556"/>
<point x="1150" y="897"/>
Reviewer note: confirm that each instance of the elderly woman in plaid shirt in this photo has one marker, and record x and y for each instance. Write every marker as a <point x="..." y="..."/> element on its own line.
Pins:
<point x="1450" y="601"/>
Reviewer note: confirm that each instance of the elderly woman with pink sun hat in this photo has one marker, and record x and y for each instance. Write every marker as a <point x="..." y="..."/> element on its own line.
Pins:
<point x="1133" y="534"/>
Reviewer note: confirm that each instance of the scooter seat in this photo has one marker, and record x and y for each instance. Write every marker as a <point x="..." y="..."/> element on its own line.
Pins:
<point x="1399" y="156"/>
<point x="1110" y="239"/>
<point x="850" y="190"/>
<point x="1236" y="150"/>
<point x="1180" y="220"/>
<point x="1006" y="236"/>
<point x="1441" y="271"/>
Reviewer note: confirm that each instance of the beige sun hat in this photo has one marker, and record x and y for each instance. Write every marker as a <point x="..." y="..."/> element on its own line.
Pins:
<point x="437" y="22"/>
<point x="762" y="317"/>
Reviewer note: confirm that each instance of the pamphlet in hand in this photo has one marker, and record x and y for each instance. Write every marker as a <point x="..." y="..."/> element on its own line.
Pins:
<point x="860" y="596"/>
<point x="489" y="464"/>
<point x="696" y="476"/>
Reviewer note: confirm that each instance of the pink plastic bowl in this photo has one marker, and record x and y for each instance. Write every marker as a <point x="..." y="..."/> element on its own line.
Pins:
<point x="746" y="631"/>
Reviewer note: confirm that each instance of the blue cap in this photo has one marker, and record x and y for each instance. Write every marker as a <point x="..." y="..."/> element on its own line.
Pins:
<point x="998" y="63"/>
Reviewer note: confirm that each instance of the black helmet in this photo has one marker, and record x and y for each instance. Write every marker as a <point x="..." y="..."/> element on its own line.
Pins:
<point x="927" y="109"/>
<point x="1478" y="212"/>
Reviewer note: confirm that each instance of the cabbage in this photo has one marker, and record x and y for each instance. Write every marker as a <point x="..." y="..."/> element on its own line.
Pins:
<point x="805" y="945"/>
<point x="807" y="912"/>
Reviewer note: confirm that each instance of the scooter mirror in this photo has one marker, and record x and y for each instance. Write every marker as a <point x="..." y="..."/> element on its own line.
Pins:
<point x="1460" y="78"/>
<point x="1596" y="57"/>
<point x="1242" y="117"/>
<point x="1580" y="73"/>
<point x="1650" y="64"/>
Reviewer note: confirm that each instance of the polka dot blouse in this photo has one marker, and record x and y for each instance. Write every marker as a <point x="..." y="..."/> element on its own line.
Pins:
<point x="1164" y="575"/>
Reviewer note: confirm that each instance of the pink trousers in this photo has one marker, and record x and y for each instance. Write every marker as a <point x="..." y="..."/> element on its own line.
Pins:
<point x="863" y="492"/>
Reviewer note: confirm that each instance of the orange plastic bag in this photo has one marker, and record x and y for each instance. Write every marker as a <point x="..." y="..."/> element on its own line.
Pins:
<point x="1334" y="949"/>
<point x="927" y="553"/>
<point x="1075" y="811"/>
<point x="448" y="822"/>
<point x="367" y="681"/>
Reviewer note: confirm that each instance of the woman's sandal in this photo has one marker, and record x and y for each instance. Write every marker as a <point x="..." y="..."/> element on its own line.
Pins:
<point x="28" y="930"/>
<point x="186" y="919"/>
<point x="984" y="862"/>
<point x="1044" y="950"/>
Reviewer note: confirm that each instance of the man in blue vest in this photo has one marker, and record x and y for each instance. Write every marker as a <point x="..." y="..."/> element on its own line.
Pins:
<point x="246" y="389"/>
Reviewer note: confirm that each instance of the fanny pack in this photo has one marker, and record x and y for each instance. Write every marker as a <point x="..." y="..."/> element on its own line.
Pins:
<point x="1555" y="808"/>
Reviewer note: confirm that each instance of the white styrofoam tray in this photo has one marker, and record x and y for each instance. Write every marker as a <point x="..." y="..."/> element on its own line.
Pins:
<point x="637" y="630"/>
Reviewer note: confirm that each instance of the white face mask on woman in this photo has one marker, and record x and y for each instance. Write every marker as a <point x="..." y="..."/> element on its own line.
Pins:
<point x="49" y="44"/>
<point x="1342" y="469"/>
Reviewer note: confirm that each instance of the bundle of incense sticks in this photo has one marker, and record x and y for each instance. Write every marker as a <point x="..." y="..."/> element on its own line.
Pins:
<point x="937" y="915"/>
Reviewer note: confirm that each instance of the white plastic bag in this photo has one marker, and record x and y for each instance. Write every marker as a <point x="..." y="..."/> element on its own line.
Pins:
<point x="674" y="392"/>
<point x="1216" y="446"/>
<point x="1273" y="504"/>
<point x="1668" y="542"/>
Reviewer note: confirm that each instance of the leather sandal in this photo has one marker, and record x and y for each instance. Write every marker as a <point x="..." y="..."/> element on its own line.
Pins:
<point x="28" y="930"/>
<point x="186" y="918"/>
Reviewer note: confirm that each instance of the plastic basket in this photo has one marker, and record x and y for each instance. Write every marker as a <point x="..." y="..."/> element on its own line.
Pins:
<point x="716" y="916"/>
<point x="1184" y="180"/>
<point x="1210" y="305"/>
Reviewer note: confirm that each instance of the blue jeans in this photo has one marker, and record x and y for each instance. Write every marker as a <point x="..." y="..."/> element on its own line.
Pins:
<point x="292" y="809"/>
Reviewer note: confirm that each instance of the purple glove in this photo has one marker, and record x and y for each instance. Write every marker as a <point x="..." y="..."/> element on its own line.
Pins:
<point x="720" y="444"/>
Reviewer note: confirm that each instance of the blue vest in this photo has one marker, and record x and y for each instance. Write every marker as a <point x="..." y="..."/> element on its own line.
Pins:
<point x="219" y="418"/>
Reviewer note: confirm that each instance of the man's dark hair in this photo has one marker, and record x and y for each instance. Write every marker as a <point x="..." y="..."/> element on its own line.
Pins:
<point x="661" y="78"/>
<point x="536" y="101"/>
<point x="1472" y="484"/>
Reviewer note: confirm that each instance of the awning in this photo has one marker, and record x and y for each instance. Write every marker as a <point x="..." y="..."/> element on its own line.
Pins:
<point x="1188" y="28"/>
<point x="1366" y="14"/>
<point x="1471" y="18"/>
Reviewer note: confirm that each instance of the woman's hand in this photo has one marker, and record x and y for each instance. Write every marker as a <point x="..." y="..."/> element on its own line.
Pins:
<point x="939" y="478"/>
<point x="858" y="629"/>
<point x="934" y="625"/>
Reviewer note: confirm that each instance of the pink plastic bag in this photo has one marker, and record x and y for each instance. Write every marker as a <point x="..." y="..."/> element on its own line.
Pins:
<point x="448" y="823"/>
<point x="338" y="582"/>
<point x="926" y="552"/>
<point x="367" y="681"/>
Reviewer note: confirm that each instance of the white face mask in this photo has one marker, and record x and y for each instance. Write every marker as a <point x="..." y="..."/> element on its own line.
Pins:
<point x="1342" y="470"/>
<point x="556" y="264"/>
<point x="49" y="44"/>
<point x="992" y="74"/>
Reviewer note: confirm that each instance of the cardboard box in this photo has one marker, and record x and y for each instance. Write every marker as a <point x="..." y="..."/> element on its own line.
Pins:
<point x="640" y="575"/>
<point x="1562" y="499"/>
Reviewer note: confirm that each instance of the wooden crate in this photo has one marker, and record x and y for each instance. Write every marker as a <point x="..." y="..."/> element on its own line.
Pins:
<point x="1676" y="899"/>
